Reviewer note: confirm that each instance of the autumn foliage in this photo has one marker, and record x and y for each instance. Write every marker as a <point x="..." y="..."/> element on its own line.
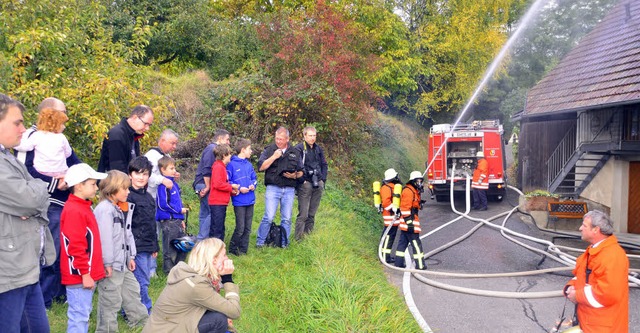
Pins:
<point x="311" y="73"/>
<point x="247" y="65"/>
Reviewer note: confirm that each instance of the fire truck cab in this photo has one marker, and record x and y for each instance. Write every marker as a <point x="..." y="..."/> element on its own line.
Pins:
<point x="452" y="155"/>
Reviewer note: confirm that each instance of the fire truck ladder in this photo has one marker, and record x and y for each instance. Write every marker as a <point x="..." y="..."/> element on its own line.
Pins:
<point x="571" y="169"/>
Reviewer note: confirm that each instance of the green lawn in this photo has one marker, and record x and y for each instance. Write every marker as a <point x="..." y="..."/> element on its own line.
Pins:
<point x="330" y="282"/>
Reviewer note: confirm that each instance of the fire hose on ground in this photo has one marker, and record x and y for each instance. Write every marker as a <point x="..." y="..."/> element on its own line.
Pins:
<point x="553" y="251"/>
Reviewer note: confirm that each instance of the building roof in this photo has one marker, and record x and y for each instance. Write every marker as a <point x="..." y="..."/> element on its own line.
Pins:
<point x="602" y="70"/>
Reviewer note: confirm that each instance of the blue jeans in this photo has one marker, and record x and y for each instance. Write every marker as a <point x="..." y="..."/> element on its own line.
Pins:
<point x="80" y="306"/>
<point x="205" y="215"/>
<point x="213" y="322"/>
<point x="50" y="282"/>
<point x="218" y="215"/>
<point x="274" y="196"/>
<point x="22" y="310"/>
<point x="144" y="263"/>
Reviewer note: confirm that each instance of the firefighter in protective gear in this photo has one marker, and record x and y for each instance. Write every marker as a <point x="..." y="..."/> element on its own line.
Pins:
<point x="480" y="183"/>
<point x="410" y="205"/>
<point x="389" y="212"/>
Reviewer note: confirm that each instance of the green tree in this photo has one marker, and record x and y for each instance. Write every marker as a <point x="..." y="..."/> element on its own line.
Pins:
<point x="385" y="34"/>
<point x="390" y="39"/>
<point x="313" y="71"/>
<point x="556" y="30"/>
<point x="456" y="41"/>
<point x="459" y="42"/>
<point x="190" y="32"/>
<point x="53" y="49"/>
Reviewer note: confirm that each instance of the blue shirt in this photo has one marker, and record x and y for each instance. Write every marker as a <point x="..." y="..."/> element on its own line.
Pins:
<point x="241" y="172"/>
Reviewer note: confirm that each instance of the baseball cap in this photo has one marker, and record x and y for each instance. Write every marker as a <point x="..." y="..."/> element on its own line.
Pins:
<point x="81" y="172"/>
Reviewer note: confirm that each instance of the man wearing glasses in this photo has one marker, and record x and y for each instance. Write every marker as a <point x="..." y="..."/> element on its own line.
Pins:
<point x="121" y="144"/>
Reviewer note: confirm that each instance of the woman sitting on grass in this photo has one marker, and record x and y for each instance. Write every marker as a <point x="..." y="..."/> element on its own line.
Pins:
<point x="191" y="301"/>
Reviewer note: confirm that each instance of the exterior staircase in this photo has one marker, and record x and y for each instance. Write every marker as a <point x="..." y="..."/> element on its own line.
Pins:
<point x="571" y="169"/>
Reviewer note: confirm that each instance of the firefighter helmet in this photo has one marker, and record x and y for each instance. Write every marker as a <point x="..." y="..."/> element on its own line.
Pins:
<point x="415" y="175"/>
<point x="416" y="179"/>
<point x="390" y="174"/>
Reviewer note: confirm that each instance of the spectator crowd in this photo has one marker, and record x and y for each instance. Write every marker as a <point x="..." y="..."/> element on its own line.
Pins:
<point x="58" y="248"/>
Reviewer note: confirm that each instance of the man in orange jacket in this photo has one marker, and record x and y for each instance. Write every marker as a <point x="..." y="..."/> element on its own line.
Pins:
<point x="480" y="183"/>
<point x="600" y="287"/>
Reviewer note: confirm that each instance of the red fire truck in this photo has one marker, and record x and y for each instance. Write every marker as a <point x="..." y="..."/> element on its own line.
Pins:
<point x="460" y="144"/>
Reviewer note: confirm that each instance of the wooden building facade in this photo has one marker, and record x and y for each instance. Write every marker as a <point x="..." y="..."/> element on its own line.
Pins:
<point x="580" y="129"/>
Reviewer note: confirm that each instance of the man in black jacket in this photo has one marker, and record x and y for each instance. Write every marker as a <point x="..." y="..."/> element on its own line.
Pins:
<point x="282" y="167"/>
<point x="121" y="144"/>
<point x="311" y="185"/>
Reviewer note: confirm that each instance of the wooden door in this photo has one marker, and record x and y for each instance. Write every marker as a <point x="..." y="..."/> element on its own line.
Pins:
<point x="633" y="219"/>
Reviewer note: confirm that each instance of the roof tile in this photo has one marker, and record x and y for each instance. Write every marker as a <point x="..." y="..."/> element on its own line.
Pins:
<point x="604" y="68"/>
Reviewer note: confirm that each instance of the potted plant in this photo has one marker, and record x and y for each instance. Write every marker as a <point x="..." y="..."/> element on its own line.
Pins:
<point x="538" y="200"/>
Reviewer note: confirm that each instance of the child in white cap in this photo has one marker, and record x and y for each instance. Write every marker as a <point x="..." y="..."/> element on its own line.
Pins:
<point x="81" y="251"/>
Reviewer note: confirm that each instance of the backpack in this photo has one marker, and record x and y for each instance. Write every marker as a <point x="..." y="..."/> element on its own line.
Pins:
<point x="277" y="236"/>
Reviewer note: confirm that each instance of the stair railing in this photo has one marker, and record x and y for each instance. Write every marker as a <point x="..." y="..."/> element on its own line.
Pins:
<point x="561" y="155"/>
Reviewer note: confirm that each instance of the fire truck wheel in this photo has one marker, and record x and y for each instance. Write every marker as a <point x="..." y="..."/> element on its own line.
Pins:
<point x="496" y="198"/>
<point x="442" y="198"/>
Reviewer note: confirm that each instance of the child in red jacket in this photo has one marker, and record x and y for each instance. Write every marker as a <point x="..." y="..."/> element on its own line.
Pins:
<point x="81" y="251"/>
<point x="221" y="190"/>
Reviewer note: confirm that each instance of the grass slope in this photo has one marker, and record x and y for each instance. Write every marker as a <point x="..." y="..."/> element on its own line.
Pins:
<point x="402" y="146"/>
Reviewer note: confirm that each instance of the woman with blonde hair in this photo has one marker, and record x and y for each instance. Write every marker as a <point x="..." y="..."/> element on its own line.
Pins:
<point x="191" y="301"/>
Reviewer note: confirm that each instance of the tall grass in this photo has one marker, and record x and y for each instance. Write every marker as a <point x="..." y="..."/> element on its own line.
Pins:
<point x="329" y="282"/>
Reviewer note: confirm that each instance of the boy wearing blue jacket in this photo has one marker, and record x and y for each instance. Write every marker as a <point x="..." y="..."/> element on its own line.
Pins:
<point x="241" y="172"/>
<point x="170" y="214"/>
